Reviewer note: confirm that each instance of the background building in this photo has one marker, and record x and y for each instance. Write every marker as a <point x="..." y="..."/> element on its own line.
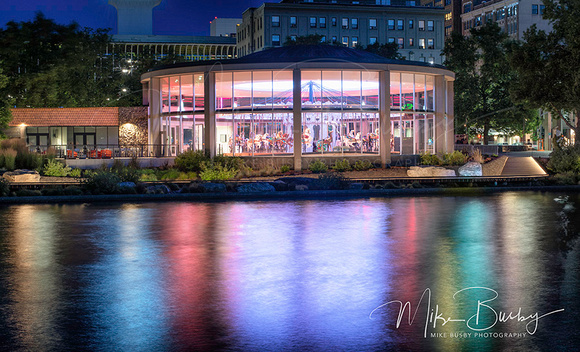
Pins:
<point x="224" y="27"/>
<point x="419" y="31"/>
<point x="452" y="13"/>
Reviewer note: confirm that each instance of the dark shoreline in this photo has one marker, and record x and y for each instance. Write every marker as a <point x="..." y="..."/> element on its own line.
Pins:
<point x="282" y="195"/>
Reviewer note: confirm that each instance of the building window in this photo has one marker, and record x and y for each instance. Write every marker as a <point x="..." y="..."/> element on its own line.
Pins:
<point x="448" y="16"/>
<point x="312" y="22"/>
<point x="391" y="40"/>
<point x="275" y="40"/>
<point x="345" y="23"/>
<point x="401" y="43"/>
<point x="323" y="39"/>
<point x="293" y="23"/>
<point x="448" y="31"/>
<point x="400" y="25"/>
<point x="534" y="9"/>
<point x="354" y="41"/>
<point x="275" y="21"/>
<point x="430" y="44"/>
<point x="373" y="23"/>
<point x="333" y="39"/>
<point x="466" y="8"/>
<point x="293" y="37"/>
<point x="411" y="42"/>
<point x="430" y="26"/>
<point x="431" y="60"/>
<point x="447" y="2"/>
<point x="390" y="25"/>
<point x="421" y="25"/>
<point x="333" y="21"/>
<point x="345" y="41"/>
<point x="354" y="23"/>
<point x="372" y="40"/>
<point x="542" y="8"/>
<point x="411" y="24"/>
<point x="421" y="43"/>
<point x="322" y="22"/>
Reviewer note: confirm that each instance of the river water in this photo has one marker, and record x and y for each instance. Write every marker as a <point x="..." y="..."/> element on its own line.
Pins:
<point x="312" y="275"/>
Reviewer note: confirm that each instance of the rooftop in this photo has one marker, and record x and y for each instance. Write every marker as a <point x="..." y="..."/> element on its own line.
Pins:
<point x="44" y="117"/>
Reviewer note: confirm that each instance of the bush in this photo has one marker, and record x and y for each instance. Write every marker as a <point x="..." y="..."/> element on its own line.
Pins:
<point x="285" y="168"/>
<point x="72" y="191"/>
<point x="148" y="178"/>
<point x="245" y="171"/>
<point x="430" y="159"/>
<point x="56" y="168"/>
<point x="4" y="187"/>
<point x="363" y="165"/>
<point x="217" y="173"/>
<point x="565" y="159"/>
<point x="9" y="158"/>
<point x="28" y="193"/>
<point x="342" y="165"/>
<point x="191" y="161"/>
<point x="76" y="172"/>
<point x="102" y="182"/>
<point x="171" y="174"/>
<point x="456" y="158"/>
<point x="334" y="180"/>
<point x="476" y="156"/>
<point x="187" y="176"/>
<point x="317" y="167"/>
<point x="229" y="162"/>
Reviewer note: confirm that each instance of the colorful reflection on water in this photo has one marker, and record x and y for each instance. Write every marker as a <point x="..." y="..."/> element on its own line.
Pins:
<point x="296" y="275"/>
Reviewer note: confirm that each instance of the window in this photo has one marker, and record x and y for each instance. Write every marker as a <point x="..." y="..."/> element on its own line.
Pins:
<point x="448" y="31"/>
<point x="430" y="44"/>
<point x="345" y="41"/>
<point x="333" y="39"/>
<point x="534" y="9"/>
<point x="312" y="22"/>
<point x="448" y="16"/>
<point x="354" y="23"/>
<point x="345" y="23"/>
<point x="293" y="23"/>
<point x="333" y="21"/>
<point x="411" y="42"/>
<point x="391" y="40"/>
<point x="421" y="43"/>
<point x="323" y="39"/>
<point x="411" y="24"/>
<point x="373" y="23"/>
<point x="322" y="22"/>
<point x="400" y="25"/>
<point x="391" y="25"/>
<point x="466" y="8"/>
<point x="410" y="3"/>
<point x="431" y="60"/>
<point x="401" y="43"/>
<point x="293" y="37"/>
<point x="275" y="40"/>
<point x="354" y="41"/>
<point x="275" y="21"/>
<point x="447" y="2"/>
<point x="421" y="25"/>
<point x="430" y="26"/>
<point x="372" y="40"/>
<point x="542" y="8"/>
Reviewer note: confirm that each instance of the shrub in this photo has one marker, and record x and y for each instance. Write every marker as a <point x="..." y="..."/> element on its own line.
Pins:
<point x="4" y="187"/>
<point x="284" y="169"/>
<point x="334" y="180"/>
<point x="456" y="158"/>
<point x="148" y="178"/>
<point x="267" y="171"/>
<point x="171" y="174"/>
<point x="56" y="168"/>
<point x="245" y="171"/>
<point x="9" y="156"/>
<point x="363" y="165"/>
<point x="28" y="193"/>
<point x="430" y="159"/>
<point x="476" y="156"/>
<point x="191" y="160"/>
<point x="134" y="163"/>
<point x="72" y="191"/>
<point x="230" y="162"/>
<point x="102" y="182"/>
<point x="76" y="172"/>
<point x="565" y="159"/>
<point x="187" y="176"/>
<point x="342" y="165"/>
<point x="565" y="178"/>
<point x="217" y="172"/>
<point x="317" y="167"/>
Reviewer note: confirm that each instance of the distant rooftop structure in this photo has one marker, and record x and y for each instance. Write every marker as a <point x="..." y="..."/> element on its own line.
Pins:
<point x="224" y="27"/>
<point x="134" y="16"/>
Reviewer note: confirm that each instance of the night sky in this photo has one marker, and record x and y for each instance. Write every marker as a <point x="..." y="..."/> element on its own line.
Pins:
<point x="171" y="17"/>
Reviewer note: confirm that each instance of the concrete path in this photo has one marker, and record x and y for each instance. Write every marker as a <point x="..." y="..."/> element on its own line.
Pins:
<point x="522" y="166"/>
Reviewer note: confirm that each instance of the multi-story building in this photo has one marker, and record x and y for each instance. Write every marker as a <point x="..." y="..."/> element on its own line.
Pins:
<point x="418" y="31"/>
<point x="452" y="14"/>
<point x="513" y="16"/>
<point x="224" y="27"/>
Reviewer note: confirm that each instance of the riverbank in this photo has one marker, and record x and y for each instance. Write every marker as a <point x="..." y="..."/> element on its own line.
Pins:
<point x="284" y="195"/>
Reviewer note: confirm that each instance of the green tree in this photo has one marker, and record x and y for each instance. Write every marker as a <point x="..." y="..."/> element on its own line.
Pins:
<point x="311" y="39"/>
<point x="388" y="50"/>
<point x="5" y="114"/>
<point x="482" y="82"/>
<point x="547" y="64"/>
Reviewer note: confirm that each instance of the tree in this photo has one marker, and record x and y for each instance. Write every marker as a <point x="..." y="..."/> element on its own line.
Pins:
<point x="547" y="64"/>
<point x="5" y="114"/>
<point x="388" y="50"/>
<point x="482" y="81"/>
<point x="311" y="39"/>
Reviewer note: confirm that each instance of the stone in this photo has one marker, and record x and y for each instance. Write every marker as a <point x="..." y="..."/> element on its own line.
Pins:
<point x="356" y="185"/>
<point x="256" y="187"/>
<point x="212" y="187"/>
<point x="472" y="168"/>
<point x="279" y="185"/>
<point x="430" y="171"/>
<point x="127" y="184"/>
<point x="22" y="176"/>
<point x="301" y="188"/>
<point x="158" y="189"/>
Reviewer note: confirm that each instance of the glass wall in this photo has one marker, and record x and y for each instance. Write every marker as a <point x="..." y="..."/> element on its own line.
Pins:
<point x="182" y="93"/>
<point x="412" y="92"/>
<point x="412" y="133"/>
<point x="182" y="133"/>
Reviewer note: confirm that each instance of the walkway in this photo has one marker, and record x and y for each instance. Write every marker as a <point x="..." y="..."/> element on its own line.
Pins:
<point x="522" y="166"/>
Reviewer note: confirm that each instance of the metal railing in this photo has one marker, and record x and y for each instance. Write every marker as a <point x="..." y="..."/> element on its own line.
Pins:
<point x="103" y="151"/>
<point x="484" y="149"/>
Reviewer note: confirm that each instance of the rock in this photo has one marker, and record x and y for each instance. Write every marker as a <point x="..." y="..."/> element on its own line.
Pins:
<point x="256" y="187"/>
<point x="127" y="184"/>
<point x="301" y="188"/>
<point x="472" y="168"/>
<point x="158" y="189"/>
<point x="356" y="185"/>
<point x="22" y="176"/>
<point x="212" y="187"/>
<point x="297" y="180"/>
<point x="430" y="171"/>
<point x="279" y="185"/>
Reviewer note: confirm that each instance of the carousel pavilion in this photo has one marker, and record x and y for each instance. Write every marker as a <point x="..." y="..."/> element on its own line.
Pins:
<point x="296" y="104"/>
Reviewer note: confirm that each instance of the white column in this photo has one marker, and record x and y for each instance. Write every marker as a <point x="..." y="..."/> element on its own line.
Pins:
<point x="297" y="109"/>
<point x="385" y="117"/>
